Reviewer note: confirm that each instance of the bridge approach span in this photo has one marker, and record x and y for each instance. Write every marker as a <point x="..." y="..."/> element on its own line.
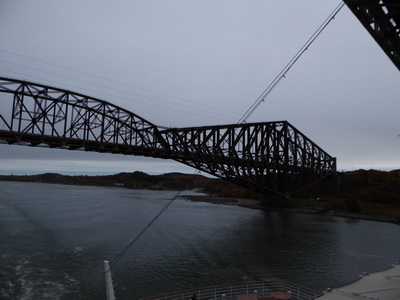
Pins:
<point x="269" y="158"/>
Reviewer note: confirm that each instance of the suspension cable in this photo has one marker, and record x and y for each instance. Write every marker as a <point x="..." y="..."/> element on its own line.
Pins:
<point x="289" y="65"/>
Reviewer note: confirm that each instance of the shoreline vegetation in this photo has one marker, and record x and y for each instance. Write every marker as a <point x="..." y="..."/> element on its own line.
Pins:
<point x="362" y="194"/>
<point x="255" y="204"/>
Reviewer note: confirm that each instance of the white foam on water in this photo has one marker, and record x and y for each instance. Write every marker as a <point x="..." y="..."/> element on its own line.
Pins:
<point x="77" y="249"/>
<point x="26" y="280"/>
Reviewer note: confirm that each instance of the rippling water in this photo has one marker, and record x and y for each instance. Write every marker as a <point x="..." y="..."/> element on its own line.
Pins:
<point x="54" y="239"/>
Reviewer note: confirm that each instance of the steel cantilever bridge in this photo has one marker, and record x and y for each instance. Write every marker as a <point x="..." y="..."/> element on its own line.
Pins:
<point x="269" y="158"/>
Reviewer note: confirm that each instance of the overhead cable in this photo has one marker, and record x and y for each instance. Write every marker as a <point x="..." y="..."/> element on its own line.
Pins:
<point x="110" y="80"/>
<point x="289" y="65"/>
<point x="116" y="259"/>
<point x="217" y="115"/>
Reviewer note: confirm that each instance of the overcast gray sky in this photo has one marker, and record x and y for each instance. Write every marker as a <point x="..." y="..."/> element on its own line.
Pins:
<point x="185" y="63"/>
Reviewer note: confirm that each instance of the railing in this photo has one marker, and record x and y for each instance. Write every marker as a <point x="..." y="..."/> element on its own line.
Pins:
<point x="261" y="289"/>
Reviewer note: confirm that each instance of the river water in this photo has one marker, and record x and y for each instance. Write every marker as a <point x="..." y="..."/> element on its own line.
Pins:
<point x="54" y="239"/>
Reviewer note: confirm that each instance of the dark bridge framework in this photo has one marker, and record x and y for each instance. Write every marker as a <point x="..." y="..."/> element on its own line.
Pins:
<point x="269" y="158"/>
<point x="381" y="18"/>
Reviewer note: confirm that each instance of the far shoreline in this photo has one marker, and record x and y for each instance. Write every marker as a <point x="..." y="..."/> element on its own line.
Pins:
<point x="255" y="204"/>
<point x="338" y="207"/>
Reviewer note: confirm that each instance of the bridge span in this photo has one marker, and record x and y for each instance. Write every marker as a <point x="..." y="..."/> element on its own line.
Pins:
<point x="269" y="158"/>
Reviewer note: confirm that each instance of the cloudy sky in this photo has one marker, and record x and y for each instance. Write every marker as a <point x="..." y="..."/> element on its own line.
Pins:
<point x="185" y="63"/>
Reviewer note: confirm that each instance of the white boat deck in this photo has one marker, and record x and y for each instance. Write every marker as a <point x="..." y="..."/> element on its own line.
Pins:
<point x="383" y="285"/>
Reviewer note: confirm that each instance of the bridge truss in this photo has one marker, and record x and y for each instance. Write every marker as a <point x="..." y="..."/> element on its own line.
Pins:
<point x="382" y="20"/>
<point x="269" y="158"/>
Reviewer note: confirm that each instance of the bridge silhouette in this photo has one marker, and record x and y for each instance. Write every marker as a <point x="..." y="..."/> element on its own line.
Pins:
<point x="268" y="158"/>
<point x="381" y="18"/>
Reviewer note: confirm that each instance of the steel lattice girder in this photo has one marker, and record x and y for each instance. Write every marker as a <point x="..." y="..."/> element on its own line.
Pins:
<point x="382" y="20"/>
<point x="264" y="157"/>
<point x="271" y="157"/>
<point x="61" y="118"/>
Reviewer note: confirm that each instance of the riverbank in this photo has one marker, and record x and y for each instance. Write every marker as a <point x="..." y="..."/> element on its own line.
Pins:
<point x="367" y="195"/>
<point x="256" y="204"/>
